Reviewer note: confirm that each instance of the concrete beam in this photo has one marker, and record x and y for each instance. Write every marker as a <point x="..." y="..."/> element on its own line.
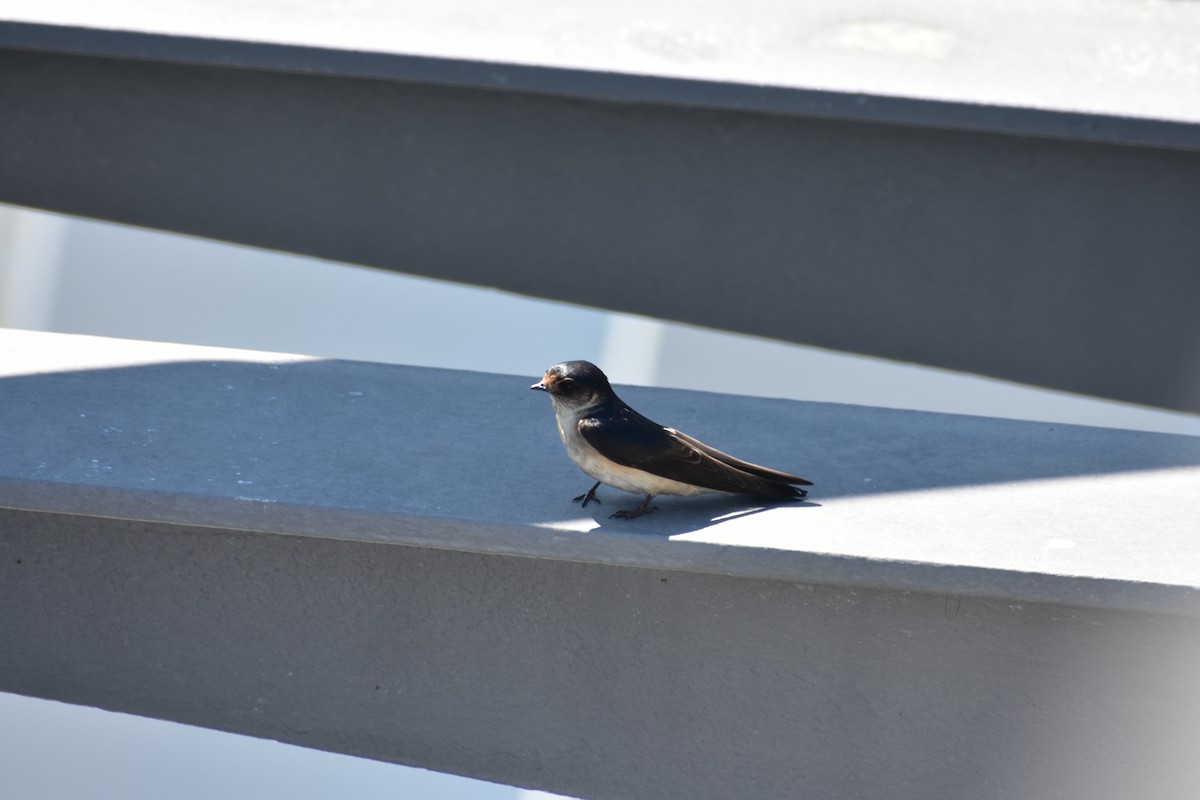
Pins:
<point x="384" y="561"/>
<point x="1029" y="222"/>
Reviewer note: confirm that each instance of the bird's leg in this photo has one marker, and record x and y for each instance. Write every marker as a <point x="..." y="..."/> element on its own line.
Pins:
<point x="644" y="508"/>
<point x="588" y="497"/>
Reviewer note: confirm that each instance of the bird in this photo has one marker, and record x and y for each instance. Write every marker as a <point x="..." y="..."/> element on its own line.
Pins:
<point x="619" y="447"/>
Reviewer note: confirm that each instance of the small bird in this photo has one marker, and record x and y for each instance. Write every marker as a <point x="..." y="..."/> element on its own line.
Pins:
<point x="616" y="445"/>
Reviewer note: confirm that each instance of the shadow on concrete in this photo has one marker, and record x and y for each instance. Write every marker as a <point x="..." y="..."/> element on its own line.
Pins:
<point x="442" y="443"/>
<point x="445" y="656"/>
<point x="677" y="515"/>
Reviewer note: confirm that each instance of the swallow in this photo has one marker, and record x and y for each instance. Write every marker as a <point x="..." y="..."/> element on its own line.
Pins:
<point x="618" y="446"/>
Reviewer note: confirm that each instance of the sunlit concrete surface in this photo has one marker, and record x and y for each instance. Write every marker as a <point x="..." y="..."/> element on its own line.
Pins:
<point x="384" y="561"/>
<point x="229" y="438"/>
<point x="1096" y="57"/>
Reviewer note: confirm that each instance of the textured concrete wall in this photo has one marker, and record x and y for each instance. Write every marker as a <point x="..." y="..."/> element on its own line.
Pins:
<point x="595" y="680"/>
<point x="1052" y="249"/>
<point x="384" y="561"/>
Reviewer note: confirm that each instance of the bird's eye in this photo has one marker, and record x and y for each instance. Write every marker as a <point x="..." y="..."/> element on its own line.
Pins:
<point x="566" y="385"/>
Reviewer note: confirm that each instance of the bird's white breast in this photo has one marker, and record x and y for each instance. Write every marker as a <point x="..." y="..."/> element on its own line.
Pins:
<point x="627" y="479"/>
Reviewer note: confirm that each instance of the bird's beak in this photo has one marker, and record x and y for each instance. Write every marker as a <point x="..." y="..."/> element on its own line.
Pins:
<point x="540" y="386"/>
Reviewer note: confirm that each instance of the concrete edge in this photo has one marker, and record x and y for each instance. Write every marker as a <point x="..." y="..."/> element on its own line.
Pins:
<point x="625" y="550"/>
<point x="603" y="86"/>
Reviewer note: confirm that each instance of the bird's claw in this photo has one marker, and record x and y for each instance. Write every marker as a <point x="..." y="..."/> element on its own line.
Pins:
<point x="587" y="497"/>
<point x="634" y="513"/>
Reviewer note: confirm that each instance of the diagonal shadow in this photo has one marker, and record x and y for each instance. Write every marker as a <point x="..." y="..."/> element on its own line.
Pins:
<point x="442" y="443"/>
<point x="675" y="515"/>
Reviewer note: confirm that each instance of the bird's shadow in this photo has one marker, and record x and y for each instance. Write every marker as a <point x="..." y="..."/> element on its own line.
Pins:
<point x="678" y="515"/>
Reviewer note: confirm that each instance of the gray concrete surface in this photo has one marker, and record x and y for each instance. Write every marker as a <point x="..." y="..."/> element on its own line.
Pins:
<point x="1114" y="59"/>
<point x="1005" y="194"/>
<point x="384" y="561"/>
<point x="197" y="435"/>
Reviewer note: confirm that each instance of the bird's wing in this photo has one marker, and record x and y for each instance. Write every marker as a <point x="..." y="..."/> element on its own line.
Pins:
<point x="746" y="466"/>
<point x="629" y="439"/>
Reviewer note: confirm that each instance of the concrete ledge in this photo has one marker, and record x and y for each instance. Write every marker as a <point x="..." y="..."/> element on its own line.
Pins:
<point x="1031" y="198"/>
<point x="1027" y="118"/>
<point x="384" y="561"/>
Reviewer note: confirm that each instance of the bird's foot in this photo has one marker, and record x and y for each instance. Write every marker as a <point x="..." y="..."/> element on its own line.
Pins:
<point x="587" y="497"/>
<point x="644" y="508"/>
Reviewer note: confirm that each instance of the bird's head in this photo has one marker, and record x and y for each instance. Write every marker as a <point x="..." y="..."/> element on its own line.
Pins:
<point x="575" y="384"/>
